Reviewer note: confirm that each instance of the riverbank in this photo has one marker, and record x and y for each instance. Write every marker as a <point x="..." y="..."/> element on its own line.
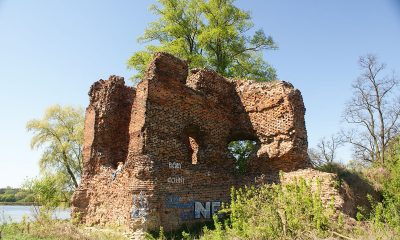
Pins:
<point x="18" y="204"/>
<point x="19" y="213"/>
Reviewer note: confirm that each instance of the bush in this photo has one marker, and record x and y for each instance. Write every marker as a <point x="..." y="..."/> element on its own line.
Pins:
<point x="287" y="211"/>
<point x="386" y="214"/>
<point x="48" y="191"/>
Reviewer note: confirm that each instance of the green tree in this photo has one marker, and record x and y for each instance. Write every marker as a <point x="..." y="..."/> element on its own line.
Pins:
<point x="22" y="196"/>
<point x="176" y="31"/>
<point x="241" y="151"/>
<point x="210" y="34"/>
<point x="7" y="197"/>
<point x="49" y="191"/>
<point x="60" y="134"/>
<point x="229" y="51"/>
<point x="10" y="190"/>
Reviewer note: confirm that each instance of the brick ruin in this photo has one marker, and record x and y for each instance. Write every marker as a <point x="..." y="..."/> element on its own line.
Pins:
<point x="171" y="133"/>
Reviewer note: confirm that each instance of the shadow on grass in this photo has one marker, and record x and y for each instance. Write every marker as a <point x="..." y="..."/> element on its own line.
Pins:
<point x="194" y="231"/>
<point x="358" y="186"/>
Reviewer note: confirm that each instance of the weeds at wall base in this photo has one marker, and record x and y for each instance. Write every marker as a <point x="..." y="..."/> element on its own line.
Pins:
<point x="186" y="232"/>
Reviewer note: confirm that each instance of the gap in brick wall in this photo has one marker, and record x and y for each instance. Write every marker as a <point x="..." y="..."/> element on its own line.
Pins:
<point x="242" y="150"/>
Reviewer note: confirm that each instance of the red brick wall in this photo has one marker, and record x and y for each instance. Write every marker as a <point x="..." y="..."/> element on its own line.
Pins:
<point x="149" y="129"/>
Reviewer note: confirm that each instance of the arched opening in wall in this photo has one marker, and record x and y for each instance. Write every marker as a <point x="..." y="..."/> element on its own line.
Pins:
<point x="194" y="150"/>
<point x="192" y="139"/>
<point x="242" y="150"/>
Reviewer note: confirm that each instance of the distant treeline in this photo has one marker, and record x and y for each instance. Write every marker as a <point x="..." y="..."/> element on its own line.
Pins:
<point x="15" y="195"/>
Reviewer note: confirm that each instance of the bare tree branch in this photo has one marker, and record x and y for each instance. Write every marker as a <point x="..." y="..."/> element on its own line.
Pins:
<point x="373" y="111"/>
<point x="325" y="151"/>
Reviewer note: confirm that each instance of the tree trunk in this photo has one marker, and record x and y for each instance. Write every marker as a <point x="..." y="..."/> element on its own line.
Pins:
<point x="71" y="174"/>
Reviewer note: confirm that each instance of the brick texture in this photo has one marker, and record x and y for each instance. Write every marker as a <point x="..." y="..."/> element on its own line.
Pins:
<point x="172" y="132"/>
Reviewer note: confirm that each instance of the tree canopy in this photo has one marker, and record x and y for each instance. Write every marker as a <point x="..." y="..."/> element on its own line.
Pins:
<point x="241" y="150"/>
<point x="211" y="34"/>
<point x="60" y="133"/>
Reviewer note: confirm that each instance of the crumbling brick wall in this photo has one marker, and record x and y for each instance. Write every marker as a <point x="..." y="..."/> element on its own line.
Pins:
<point x="171" y="133"/>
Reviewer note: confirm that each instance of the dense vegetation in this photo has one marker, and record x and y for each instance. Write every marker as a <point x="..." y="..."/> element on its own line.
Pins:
<point x="212" y="34"/>
<point x="276" y="211"/>
<point x="15" y="195"/>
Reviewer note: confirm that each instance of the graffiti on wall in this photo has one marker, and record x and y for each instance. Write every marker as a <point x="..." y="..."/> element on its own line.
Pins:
<point x="193" y="209"/>
<point x="174" y="165"/>
<point x="140" y="206"/>
<point x="206" y="210"/>
<point x="190" y="209"/>
<point x="173" y="201"/>
<point x="175" y="179"/>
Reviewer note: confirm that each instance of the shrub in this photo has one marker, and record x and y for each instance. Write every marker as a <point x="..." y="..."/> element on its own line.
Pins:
<point x="386" y="214"/>
<point x="286" y="211"/>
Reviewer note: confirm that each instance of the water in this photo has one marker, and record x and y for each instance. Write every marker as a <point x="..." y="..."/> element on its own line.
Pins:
<point x="16" y="213"/>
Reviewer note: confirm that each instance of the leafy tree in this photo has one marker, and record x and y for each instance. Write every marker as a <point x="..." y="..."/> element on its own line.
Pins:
<point x="229" y="51"/>
<point x="208" y="34"/>
<point x="14" y="195"/>
<point x="374" y="111"/>
<point x="10" y="190"/>
<point x="241" y="151"/>
<point x="7" y="198"/>
<point x="60" y="133"/>
<point x="176" y="31"/>
<point x="49" y="190"/>
<point x="23" y="196"/>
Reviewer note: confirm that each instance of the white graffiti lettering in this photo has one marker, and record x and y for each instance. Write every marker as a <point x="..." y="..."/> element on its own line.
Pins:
<point x="175" y="165"/>
<point x="206" y="211"/>
<point x="176" y="180"/>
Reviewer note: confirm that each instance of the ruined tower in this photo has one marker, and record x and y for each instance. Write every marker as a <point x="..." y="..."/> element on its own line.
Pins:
<point x="171" y="133"/>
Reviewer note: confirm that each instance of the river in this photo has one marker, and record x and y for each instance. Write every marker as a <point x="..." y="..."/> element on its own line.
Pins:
<point x="16" y="213"/>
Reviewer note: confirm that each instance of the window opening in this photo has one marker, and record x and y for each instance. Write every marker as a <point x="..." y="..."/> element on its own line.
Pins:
<point x="194" y="149"/>
<point x="241" y="150"/>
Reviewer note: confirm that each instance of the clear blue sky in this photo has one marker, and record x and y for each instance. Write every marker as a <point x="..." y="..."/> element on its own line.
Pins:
<point x="52" y="51"/>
